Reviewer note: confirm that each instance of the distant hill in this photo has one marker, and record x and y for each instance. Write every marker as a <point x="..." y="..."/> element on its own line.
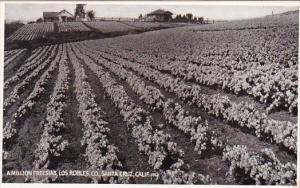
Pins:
<point x="290" y="12"/>
<point x="285" y="13"/>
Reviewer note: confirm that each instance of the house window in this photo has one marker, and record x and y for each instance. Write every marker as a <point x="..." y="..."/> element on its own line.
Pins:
<point x="64" y="18"/>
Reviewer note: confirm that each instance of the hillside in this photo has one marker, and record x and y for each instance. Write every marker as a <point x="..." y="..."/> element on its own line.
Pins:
<point x="207" y="104"/>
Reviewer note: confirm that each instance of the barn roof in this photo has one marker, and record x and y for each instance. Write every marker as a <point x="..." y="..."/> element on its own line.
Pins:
<point x="54" y="14"/>
<point x="49" y="14"/>
<point x="160" y="12"/>
<point x="64" y="10"/>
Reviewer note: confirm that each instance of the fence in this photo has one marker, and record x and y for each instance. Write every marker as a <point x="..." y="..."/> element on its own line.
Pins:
<point x="206" y="21"/>
<point x="115" y="19"/>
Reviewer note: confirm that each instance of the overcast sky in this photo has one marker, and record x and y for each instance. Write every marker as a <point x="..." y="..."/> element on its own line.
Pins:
<point x="31" y="12"/>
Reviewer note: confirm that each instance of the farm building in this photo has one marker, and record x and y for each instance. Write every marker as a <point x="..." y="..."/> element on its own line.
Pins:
<point x="61" y="16"/>
<point x="159" y="15"/>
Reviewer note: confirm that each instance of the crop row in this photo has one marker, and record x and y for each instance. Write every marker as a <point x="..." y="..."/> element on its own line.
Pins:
<point x="281" y="132"/>
<point x="19" y="88"/>
<point x="30" y="64"/>
<point x="276" y="90"/>
<point x="255" y="23"/>
<point x="172" y="112"/>
<point x="270" y="170"/>
<point x="32" y="31"/>
<point x="109" y="26"/>
<point x="263" y="168"/>
<point x="261" y="63"/>
<point x="163" y="154"/>
<point x="9" y="57"/>
<point x="52" y="143"/>
<point x="28" y="104"/>
<point x="71" y="26"/>
<point x="99" y="153"/>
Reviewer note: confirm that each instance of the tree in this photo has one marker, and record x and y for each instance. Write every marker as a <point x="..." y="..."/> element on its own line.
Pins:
<point x="91" y="14"/>
<point x="178" y="18"/>
<point x="39" y="20"/>
<point x="79" y="11"/>
<point x="184" y="18"/>
<point x="189" y="16"/>
<point x="140" y="16"/>
<point x="201" y="20"/>
<point x="195" y="19"/>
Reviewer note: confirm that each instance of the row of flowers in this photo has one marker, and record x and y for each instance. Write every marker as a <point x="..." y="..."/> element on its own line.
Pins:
<point x="39" y="55"/>
<point x="176" y="115"/>
<point x="52" y="144"/>
<point x="71" y="27"/>
<point x="10" y="128"/>
<point x="263" y="168"/>
<point x="172" y="112"/>
<point x="14" y="96"/>
<point x="9" y="57"/>
<point x="99" y="153"/>
<point x="32" y="31"/>
<point x="276" y="90"/>
<point x="164" y="156"/>
<point x="243" y="114"/>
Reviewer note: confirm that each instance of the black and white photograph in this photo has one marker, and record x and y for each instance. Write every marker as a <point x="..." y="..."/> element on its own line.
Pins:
<point x="150" y="93"/>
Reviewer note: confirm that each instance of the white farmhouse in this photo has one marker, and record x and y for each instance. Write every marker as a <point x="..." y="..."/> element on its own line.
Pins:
<point x="62" y="16"/>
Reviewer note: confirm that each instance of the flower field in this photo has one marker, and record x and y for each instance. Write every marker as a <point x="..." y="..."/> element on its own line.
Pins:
<point x="10" y="56"/>
<point x="33" y="31"/>
<point x="150" y="25"/>
<point x="109" y="26"/>
<point x="71" y="27"/>
<point x="212" y="104"/>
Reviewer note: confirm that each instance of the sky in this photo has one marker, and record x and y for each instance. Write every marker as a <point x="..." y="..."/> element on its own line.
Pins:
<point x="31" y="12"/>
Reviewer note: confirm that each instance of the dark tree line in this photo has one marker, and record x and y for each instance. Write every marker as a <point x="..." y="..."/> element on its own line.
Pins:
<point x="188" y="18"/>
